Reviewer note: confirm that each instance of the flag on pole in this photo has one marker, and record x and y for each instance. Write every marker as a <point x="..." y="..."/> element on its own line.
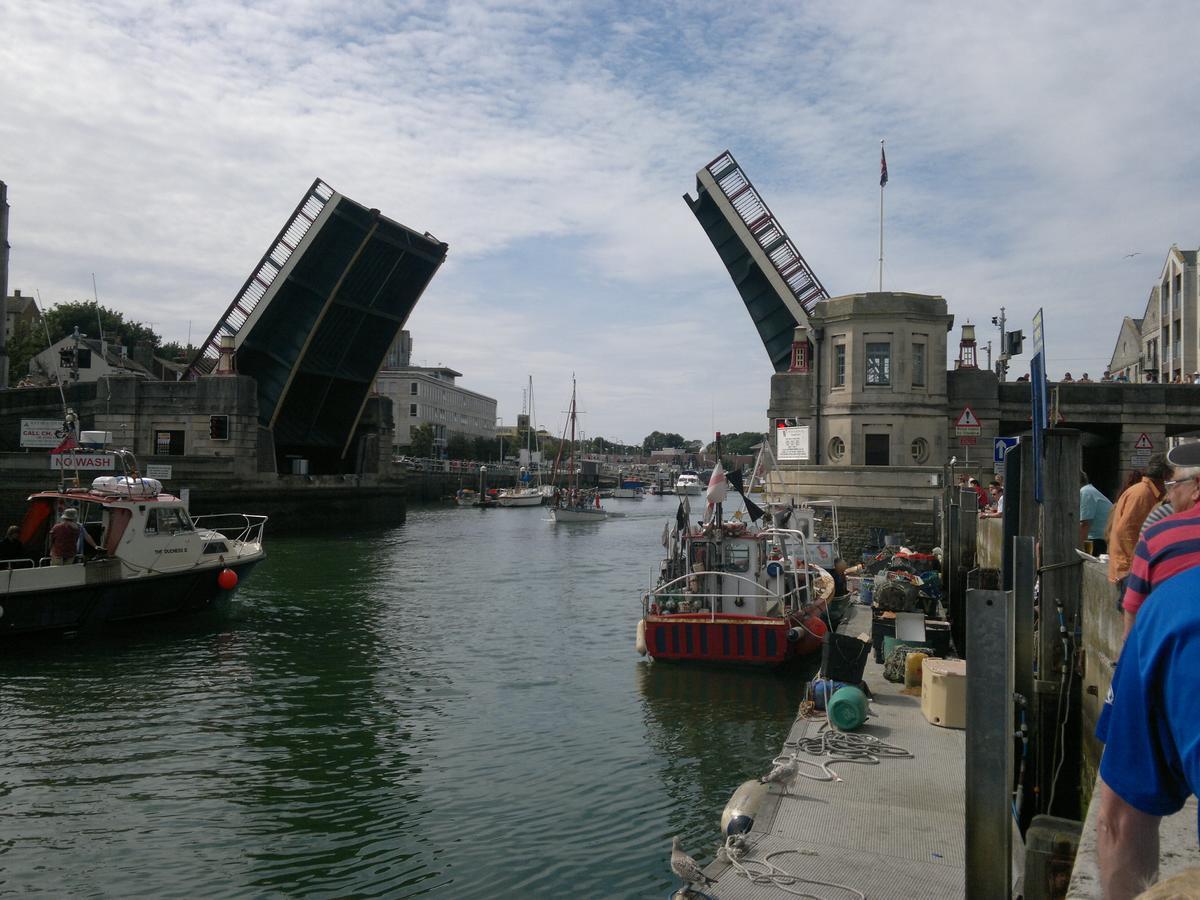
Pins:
<point x="68" y="444"/>
<point x="718" y="487"/>
<point x="882" y="165"/>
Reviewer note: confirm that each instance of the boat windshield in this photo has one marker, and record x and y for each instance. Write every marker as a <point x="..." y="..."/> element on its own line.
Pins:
<point x="167" y="520"/>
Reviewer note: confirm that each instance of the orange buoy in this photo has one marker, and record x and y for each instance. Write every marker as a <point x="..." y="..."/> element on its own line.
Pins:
<point x="227" y="579"/>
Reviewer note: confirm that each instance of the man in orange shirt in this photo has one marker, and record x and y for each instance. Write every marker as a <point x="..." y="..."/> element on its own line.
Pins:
<point x="1128" y="514"/>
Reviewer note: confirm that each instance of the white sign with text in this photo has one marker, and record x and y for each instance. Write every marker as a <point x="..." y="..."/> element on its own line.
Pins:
<point x="793" y="442"/>
<point x="41" y="432"/>
<point x="85" y="462"/>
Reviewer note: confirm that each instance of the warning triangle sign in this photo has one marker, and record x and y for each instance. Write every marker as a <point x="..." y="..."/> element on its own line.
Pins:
<point x="1144" y="443"/>
<point x="967" y="419"/>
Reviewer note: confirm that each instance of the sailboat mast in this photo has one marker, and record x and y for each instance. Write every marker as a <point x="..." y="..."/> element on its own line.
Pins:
<point x="572" y="479"/>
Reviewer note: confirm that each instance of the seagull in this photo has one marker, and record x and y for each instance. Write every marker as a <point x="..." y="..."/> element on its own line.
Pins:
<point x="1133" y="254"/>
<point x="686" y="867"/>
<point x="783" y="773"/>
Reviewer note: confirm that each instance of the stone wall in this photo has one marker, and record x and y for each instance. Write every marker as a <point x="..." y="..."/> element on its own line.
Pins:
<point x="901" y="500"/>
<point x="214" y="485"/>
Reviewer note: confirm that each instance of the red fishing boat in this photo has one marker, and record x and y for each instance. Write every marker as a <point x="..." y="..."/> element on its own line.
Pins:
<point x="729" y="592"/>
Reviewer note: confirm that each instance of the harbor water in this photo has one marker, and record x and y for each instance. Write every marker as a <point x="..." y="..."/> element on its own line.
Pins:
<point x="453" y="708"/>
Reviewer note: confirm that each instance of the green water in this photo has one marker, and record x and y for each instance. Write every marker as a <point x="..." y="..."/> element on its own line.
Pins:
<point x="451" y="709"/>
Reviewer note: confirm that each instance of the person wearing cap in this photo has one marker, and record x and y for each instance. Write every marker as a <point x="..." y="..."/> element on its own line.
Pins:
<point x="64" y="538"/>
<point x="1127" y="516"/>
<point x="1094" y="508"/>
<point x="1172" y="545"/>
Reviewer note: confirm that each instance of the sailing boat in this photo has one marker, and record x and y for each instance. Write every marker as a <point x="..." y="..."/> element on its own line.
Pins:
<point x="525" y="493"/>
<point x="574" y="504"/>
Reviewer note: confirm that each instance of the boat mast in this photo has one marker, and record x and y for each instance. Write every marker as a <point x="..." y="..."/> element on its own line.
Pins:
<point x="572" y="480"/>
<point x="720" y="514"/>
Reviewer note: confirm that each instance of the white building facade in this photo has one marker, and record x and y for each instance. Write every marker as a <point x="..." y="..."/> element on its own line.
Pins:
<point x="430" y="395"/>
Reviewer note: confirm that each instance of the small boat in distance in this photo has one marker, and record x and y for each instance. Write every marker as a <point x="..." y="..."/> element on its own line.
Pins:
<point x="689" y="483"/>
<point x="140" y="555"/>
<point x="628" y="489"/>
<point x="526" y="492"/>
<point x="573" y="504"/>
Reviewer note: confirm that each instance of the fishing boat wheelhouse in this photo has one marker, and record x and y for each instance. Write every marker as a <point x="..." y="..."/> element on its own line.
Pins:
<point x="730" y="593"/>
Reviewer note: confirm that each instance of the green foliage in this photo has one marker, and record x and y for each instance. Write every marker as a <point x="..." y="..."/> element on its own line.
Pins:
<point x="176" y="352"/>
<point x="740" y="443"/>
<point x="63" y="318"/>
<point x="23" y="344"/>
<point x="422" y="441"/>
<point x="484" y="449"/>
<point x="657" y="440"/>
<point x="458" y="446"/>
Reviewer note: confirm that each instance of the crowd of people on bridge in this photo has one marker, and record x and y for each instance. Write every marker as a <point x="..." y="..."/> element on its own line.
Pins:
<point x="1150" y="722"/>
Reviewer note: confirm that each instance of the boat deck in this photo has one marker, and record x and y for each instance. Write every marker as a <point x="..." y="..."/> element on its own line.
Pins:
<point x="889" y="830"/>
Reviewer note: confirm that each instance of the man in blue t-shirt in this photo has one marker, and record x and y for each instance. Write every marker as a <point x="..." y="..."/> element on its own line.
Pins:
<point x="1151" y="728"/>
<point x="1094" y="508"/>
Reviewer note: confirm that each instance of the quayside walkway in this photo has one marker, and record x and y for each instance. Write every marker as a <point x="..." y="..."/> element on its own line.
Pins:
<point x="894" y="829"/>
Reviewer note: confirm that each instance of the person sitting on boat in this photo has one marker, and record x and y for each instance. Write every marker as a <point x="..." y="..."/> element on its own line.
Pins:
<point x="64" y="538"/>
<point x="10" y="547"/>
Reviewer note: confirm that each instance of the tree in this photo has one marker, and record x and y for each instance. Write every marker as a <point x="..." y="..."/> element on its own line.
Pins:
<point x="63" y="318"/>
<point x="422" y="441"/>
<point x="26" y="341"/>
<point x="176" y="352"/>
<point x="458" y="446"/>
<point x="484" y="449"/>
<point x="740" y="443"/>
<point x="657" y="440"/>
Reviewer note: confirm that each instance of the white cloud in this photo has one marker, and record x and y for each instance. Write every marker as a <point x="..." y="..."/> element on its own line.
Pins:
<point x="1030" y="148"/>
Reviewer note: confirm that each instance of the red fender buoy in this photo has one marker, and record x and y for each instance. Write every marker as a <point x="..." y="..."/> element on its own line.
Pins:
<point x="227" y="579"/>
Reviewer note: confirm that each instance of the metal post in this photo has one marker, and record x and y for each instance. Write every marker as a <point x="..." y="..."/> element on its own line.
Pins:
<point x="3" y="285"/>
<point x="989" y="764"/>
<point x="1013" y="502"/>
<point x="1024" y="578"/>
<point x="1060" y="586"/>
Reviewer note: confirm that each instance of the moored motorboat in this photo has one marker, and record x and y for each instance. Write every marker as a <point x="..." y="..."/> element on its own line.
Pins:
<point x="628" y="489"/>
<point x="139" y="555"/>
<point x="689" y="483"/>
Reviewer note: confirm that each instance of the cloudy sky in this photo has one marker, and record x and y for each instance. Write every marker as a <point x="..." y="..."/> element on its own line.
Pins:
<point x="1032" y="147"/>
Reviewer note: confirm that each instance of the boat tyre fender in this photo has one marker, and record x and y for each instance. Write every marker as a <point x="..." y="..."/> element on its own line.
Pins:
<point x="640" y="642"/>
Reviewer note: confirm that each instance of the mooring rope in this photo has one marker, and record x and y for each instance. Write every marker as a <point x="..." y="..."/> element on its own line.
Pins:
<point x="763" y="871"/>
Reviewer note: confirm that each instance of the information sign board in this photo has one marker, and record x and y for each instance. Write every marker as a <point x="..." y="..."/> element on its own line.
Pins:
<point x="793" y="442"/>
<point x="41" y="432"/>
<point x="160" y="472"/>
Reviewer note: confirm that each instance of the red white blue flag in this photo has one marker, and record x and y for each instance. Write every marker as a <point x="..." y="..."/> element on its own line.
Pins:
<point x="882" y="166"/>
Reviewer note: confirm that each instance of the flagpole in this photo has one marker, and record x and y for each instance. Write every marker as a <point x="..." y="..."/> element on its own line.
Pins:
<point x="882" y="182"/>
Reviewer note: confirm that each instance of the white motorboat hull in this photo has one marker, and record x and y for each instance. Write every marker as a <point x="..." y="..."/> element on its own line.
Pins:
<point x="532" y="498"/>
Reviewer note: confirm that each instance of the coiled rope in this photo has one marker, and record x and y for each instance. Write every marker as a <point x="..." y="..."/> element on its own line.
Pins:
<point x="763" y="871"/>
<point x="841" y="747"/>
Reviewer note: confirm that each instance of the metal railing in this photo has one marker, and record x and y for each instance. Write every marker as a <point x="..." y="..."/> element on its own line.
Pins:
<point x="767" y="232"/>
<point x="239" y="527"/>
<point x="263" y="276"/>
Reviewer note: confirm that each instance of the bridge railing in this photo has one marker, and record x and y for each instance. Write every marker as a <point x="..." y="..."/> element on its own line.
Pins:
<point x="262" y="277"/>
<point x="766" y="230"/>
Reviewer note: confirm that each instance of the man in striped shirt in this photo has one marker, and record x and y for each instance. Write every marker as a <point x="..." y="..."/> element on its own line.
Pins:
<point x="1171" y="545"/>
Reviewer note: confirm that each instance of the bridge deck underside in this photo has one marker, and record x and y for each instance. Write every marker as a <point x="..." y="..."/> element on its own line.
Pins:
<point x="773" y="320"/>
<point x="318" y="344"/>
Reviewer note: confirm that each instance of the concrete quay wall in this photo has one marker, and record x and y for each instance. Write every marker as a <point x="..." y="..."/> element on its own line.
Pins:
<point x="218" y="485"/>
<point x="899" y="499"/>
